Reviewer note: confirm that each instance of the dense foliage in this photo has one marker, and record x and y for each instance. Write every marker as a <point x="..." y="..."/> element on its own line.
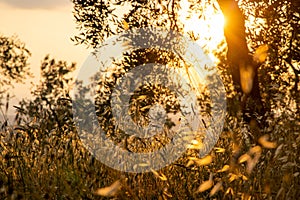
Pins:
<point x="13" y="62"/>
<point x="41" y="155"/>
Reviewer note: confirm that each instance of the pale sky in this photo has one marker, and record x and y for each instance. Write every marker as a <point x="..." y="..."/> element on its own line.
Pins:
<point x="45" y="26"/>
<point x="36" y="4"/>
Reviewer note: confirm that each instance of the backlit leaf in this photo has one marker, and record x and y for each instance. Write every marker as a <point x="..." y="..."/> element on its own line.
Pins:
<point x="244" y="158"/>
<point x="204" y="161"/>
<point x="263" y="140"/>
<point x="215" y="189"/>
<point x="160" y="176"/>
<point x="224" y="169"/>
<point x="125" y="25"/>
<point x="261" y="53"/>
<point x="205" y="186"/>
<point x="110" y="190"/>
<point x="219" y="150"/>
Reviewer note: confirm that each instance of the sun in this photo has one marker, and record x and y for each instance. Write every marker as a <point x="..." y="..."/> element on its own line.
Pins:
<point x="206" y="27"/>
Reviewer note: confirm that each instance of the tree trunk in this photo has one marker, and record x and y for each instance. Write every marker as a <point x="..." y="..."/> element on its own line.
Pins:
<point x="241" y="64"/>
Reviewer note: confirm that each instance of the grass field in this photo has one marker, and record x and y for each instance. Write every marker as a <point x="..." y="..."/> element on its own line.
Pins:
<point x="37" y="164"/>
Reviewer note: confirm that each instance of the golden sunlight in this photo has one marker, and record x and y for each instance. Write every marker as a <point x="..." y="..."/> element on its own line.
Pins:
<point x="206" y="26"/>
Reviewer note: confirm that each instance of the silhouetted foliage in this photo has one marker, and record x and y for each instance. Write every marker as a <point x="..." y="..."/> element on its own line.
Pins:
<point x="51" y="103"/>
<point x="13" y="69"/>
<point x="42" y="156"/>
<point x="13" y="61"/>
<point x="270" y="43"/>
<point x="278" y="30"/>
<point x="99" y="19"/>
